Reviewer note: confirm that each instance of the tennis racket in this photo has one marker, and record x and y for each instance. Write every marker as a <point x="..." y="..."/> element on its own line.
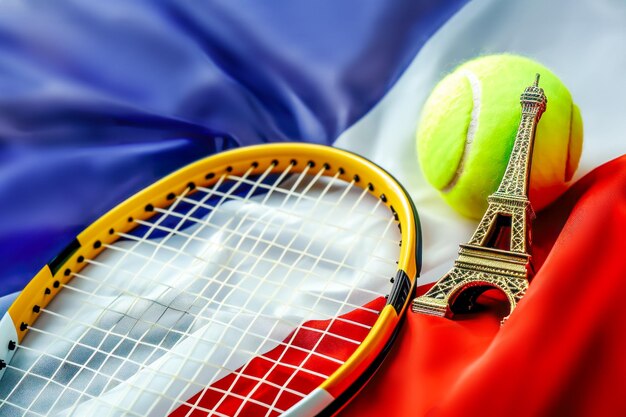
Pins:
<point x="263" y="281"/>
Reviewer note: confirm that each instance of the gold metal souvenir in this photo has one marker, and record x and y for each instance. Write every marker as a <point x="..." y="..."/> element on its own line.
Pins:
<point x="498" y="254"/>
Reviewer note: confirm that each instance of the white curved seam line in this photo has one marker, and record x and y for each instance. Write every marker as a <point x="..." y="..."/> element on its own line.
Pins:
<point x="569" y="144"/>
<point x="471" y="129"/>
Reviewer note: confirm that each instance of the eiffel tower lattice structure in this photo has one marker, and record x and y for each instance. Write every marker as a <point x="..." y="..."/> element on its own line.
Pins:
<point x="498" y="254"/>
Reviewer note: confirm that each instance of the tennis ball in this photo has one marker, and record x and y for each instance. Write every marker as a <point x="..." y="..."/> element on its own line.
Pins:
<point x="469" y="123"/>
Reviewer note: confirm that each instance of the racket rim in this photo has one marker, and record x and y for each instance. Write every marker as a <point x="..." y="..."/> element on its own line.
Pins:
<point x="371" y="350"/>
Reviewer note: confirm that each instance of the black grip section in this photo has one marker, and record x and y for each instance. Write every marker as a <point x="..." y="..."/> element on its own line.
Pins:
<point x="63" y="256"/>
<point x="400" y="291"/>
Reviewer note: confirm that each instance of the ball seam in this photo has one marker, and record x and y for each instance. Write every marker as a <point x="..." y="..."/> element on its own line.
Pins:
<point x="569" y="145"/>
<point x="472" y="127"/>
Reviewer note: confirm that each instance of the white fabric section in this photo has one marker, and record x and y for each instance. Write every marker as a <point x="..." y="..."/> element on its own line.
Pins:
<point x="235" y="292"/>
<point x="581" y="41"/>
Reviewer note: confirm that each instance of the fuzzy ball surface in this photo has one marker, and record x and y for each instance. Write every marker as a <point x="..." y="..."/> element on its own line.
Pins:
<point x="469" y="123"/>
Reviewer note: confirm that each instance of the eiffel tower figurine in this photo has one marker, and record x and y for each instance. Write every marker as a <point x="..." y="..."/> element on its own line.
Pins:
<point x="498" y="254"/>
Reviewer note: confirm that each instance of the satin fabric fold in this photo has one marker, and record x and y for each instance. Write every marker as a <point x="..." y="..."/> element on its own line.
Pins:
<point x="100" y="99"/>
<point x="561" y="353"/>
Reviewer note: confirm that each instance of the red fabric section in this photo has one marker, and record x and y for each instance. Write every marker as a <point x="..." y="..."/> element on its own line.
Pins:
<point x="284" y="374"/>
<point x="563" y="350"/>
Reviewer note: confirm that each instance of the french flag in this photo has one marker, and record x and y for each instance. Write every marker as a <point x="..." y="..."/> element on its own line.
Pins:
<point x="100" y="99"/>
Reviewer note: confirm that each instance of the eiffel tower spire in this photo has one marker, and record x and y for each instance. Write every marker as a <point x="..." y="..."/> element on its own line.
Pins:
<point x="498" y="253"/>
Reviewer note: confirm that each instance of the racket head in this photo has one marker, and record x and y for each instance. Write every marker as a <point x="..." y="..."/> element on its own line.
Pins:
<point x="345" y="381"/>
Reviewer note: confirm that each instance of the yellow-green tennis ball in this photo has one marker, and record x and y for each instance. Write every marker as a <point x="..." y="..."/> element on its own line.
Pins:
<point x="468" y="127"/>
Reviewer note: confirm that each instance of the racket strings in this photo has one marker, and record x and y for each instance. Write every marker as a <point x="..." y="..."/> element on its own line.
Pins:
<point x="291" y="198"/>
<point x="256" y="243"/>
<point x="157" y="347"/>
<point x="226" y="268"/>
<point x="30" y="374"/>
<point x="130" y="412"/>
<point x="266" y="198"/>
<point x="292" y="193"/>
<point x="310" y="354"/>
<point x="225" y="304"/>
<point x="191" y="335"/>
<point x="139" y="364"/>
<point x="294" y="334"/>
<point x="79" y="309"/>
<point x="295" y="185"/>
<point x="300" y="196"/>
<point x="160" y="244"/>
<point x="287" y="229"/>
<point x="146" y="236"/>
<point x="326" y="332"/>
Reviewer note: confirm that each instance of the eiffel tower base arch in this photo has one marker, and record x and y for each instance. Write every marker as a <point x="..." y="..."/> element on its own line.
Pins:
<point x="458" y="290"/>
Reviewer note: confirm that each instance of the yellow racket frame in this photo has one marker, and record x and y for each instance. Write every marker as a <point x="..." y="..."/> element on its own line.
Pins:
<point x="205" y="172"/>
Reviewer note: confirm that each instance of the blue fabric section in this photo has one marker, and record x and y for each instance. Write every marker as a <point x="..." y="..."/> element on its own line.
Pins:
<point x="101" y="98"/>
